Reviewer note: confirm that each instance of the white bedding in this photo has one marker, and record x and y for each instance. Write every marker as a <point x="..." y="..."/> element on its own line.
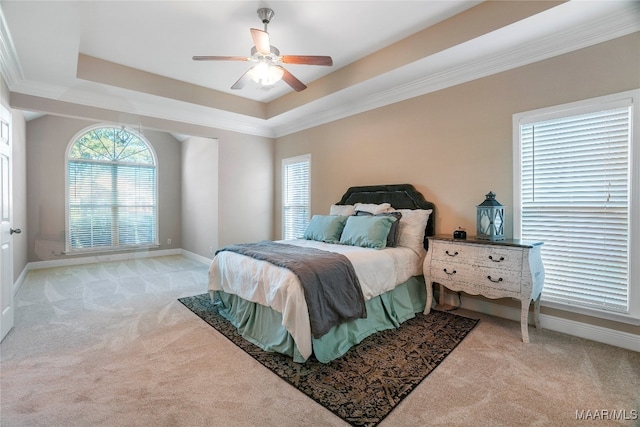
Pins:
<point x="259" y="281"/>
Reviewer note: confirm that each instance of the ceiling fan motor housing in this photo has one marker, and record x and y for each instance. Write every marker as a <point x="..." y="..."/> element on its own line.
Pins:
<point x="266" y="15"/>
<point x="273" y="57"/>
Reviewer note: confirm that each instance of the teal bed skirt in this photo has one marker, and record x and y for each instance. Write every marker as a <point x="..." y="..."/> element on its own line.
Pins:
<point x="262" y="325"/>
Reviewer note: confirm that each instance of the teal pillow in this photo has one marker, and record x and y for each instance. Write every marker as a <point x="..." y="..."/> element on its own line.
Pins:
<point x="393" y="233"/>
<point x="367" y="231"/>
<point x="325" y="228"/>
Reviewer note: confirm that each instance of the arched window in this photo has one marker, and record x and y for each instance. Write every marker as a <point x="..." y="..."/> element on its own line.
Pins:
<point x="111" y="191"/>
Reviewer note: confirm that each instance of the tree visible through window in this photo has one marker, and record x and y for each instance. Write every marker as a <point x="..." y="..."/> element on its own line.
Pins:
<point x="111" y="192"/>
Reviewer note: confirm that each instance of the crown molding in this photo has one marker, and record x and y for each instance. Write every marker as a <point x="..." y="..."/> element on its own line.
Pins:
<point x="604" y="28"/>
<point x="134" y="106"/>
<point x="558" y="34"/>
<point x="9" y="63"/>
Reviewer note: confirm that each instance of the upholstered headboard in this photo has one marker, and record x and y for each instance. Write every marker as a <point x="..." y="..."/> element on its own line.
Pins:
<point x="400" y="196"/>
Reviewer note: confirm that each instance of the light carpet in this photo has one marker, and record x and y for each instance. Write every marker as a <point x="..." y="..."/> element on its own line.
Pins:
<point x="109" y="345"/>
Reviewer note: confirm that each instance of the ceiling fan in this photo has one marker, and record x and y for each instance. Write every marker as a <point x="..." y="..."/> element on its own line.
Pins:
<point x="267" y="69"/>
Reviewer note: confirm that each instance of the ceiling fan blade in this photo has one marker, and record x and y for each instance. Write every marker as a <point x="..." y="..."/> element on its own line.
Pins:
<point x="242" y="80"/>
<point x="261" y="40"/>
<point x="291" y="80"/>
<point x="221" y="58"/>
<point x="307" y="59"/>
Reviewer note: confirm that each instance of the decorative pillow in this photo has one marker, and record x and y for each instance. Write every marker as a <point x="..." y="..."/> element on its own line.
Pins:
<point x="325" y="228"/>
<point x="345" y="210"/>
<point x="367" y="231"/>
<point x="373" y="208"/>
<point x="392" y="238"/>
<point x="411" y="229"/>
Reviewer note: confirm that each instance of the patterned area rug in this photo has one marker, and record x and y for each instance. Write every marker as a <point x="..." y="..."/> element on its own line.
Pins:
<point x="363" y="386"/>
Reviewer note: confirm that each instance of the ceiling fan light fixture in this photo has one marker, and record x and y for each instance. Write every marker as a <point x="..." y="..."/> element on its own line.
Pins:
<point x="265" y="74"/>
<point x="267" y="70"/>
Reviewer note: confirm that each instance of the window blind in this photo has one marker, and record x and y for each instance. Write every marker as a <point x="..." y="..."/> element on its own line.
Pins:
<point x="575" y="198"/>
<point x="111" y="204"/>
<point x="296" y="197"/>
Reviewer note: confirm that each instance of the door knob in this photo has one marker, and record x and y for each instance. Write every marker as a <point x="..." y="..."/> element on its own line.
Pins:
<point x="15" y="230"/>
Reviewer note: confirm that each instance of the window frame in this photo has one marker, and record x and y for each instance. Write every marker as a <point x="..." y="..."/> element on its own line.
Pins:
<point x="98" y="249"/>
<point x="575" y="108"/>
<point x="285" y="162"/>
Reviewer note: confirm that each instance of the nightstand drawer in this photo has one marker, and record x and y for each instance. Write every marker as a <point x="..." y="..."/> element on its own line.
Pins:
<point x="475" y="279"/>
<point x="446" y="273"/>
<point x="446" y="251"/>
<point x="493" y="278"/>
<point x="484" y="256"/>
<point x="496" y="257"/>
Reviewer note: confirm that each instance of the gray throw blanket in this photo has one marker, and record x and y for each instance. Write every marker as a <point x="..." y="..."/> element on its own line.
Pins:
<point x="331" y="288"/>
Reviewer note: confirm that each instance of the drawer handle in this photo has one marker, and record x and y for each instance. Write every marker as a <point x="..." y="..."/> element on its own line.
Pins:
<point x="454" y="254"/>
<point x="496" y="260"/>
<point x="450" y="274"/>
<point x="494" y="281"/>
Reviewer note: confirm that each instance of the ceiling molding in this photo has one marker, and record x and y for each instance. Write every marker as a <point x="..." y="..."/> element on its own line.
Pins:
<point x="459" y="64"/>
<point x="586" y="34"/>
<point x="109" y="73"/>
<point x="9" y="65"/>
<point x="190" y="115"/>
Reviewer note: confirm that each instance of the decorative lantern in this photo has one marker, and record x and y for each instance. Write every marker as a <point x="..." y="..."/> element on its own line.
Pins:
<point x="490" y="219"/>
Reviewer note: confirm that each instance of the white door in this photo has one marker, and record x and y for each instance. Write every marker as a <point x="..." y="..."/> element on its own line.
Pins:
<point x="6" y="251"/>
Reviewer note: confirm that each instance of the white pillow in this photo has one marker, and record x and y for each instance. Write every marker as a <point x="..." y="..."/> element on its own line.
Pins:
<point x="344" y="210"/>
<point x="411" y="229"/>
<point x="373" y="208"/>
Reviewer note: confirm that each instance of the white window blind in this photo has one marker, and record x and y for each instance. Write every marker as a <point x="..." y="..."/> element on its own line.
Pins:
<point x="111" y="191"/>
<point x="296" y="196"/>
<point x="575" y="177"/>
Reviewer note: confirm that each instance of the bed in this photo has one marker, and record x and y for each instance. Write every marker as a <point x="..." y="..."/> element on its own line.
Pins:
<point x="265" y="300"/>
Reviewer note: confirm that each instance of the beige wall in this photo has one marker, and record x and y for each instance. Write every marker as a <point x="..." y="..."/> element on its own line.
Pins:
<point x="246" y="194"/>
<point x="455" y="145"/>
<point x="227" y="191"/>
<point x="47" y="140"/>
<point x="200" y="195"/>
<point x="212" y="191"/>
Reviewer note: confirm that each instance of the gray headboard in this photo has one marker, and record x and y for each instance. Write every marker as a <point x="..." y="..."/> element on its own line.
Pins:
<point x="400" y="196"/>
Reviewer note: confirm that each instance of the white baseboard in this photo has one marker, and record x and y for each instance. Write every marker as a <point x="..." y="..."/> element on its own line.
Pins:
<point x="553" y="323"/>
<point x="21" y="277"/>
<point x="79" y="260"/>
<point x="591" y="332"/>
<point x="102" y="258"/>
<point x="196" y="257"/>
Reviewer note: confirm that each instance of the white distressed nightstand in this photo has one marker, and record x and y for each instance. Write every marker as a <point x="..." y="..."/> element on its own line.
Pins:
<point x="500" y="269"/>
